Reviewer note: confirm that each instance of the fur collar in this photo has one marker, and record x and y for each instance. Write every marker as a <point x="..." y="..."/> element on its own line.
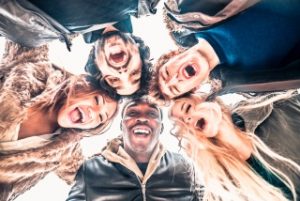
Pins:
<point x="115" y="152"/>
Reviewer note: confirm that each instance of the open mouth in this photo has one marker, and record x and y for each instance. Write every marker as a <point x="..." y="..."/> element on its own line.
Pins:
<point x="141" y="130"/>
<point x="118" y="57"/>
<point x="200" y="124"/>
<point x="77" y="116"/>
<point x="189" y="71"/>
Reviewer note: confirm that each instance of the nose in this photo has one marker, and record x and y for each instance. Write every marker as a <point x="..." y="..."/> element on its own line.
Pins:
<point x="188" y="120"/>
<point x="173" y="80"/>
<point x="142" y="120"/>
<point x="122" y="70"/>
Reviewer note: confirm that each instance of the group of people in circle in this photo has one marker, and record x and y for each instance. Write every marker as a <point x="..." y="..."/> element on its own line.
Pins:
<point x="45" y="111"/>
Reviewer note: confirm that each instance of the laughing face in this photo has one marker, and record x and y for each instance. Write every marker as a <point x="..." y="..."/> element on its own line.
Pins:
<point x="141" y="127"/>
<point x="187" y="70"/>
<point x="119" y="61"/>
<point x="204" y="117"/>
<point x="86" y="112"/>
<point x="182" y="73"/>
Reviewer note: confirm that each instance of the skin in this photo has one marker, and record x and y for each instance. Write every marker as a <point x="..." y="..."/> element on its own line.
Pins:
<point x="81" y="112"/>
<point x="141" y="126"/>
<point x="207" y="118"/>
<point x="120" y="63"/>
<point x="202" y="116"/>
<point x="87" y="112"/>
<point x="173" y="77"/>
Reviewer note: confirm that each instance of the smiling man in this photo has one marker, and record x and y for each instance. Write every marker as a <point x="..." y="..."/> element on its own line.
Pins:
<point x="120" y="61"/>
<point x="136" y="166"/>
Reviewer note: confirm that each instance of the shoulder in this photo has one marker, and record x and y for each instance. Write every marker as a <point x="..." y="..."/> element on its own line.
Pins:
<point x="178" y="159"/>
<point x="97" y="164"/>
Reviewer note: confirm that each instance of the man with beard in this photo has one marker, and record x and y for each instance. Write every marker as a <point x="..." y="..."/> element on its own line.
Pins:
<point x="136" y="166"/>
<point x="126" y="65"/>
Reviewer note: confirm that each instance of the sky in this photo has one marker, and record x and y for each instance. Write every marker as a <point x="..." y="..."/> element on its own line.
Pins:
<point x="152" y="30"/>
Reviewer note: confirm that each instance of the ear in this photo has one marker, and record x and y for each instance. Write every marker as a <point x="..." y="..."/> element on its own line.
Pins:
<point x="161" y="128"/>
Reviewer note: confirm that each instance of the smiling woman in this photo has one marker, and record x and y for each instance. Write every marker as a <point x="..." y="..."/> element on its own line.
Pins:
<point x="233" y="161"/>
<point x="51" y="187"/>
<point x="45" y="112"/>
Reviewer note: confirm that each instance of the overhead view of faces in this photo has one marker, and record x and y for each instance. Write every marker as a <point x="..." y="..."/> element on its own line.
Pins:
<point x="228" y="149"/>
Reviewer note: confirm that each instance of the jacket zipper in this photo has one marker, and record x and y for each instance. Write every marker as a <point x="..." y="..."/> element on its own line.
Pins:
<point x="143" y="186"/>
<point x="144" y="191"/>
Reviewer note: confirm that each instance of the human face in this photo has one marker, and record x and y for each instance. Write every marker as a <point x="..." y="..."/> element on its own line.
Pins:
<point x="201" y="116"/>
<point x="141" y="126"/>
<point x="183" y="73"/>
<point x="120" y="63"/>
<point x="86" y="112"/>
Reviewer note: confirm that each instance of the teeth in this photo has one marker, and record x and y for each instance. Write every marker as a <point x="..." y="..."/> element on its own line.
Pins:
<point x="141" y="131"/>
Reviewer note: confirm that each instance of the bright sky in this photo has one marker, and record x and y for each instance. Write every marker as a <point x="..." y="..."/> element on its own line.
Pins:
<point x="153" y="31"/>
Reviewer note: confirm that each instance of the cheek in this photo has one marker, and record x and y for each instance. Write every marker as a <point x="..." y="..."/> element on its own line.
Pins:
<point x="62" y="118"/>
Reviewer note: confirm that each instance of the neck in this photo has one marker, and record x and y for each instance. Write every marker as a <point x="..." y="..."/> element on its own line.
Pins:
<point x="38" y="123"/>
<point x="233" y="137"/>
<point x="208" y="52"/>
<point x="139" y="157"/>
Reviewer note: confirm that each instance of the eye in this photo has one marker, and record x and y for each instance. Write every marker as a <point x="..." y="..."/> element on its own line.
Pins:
<point x="112" y="80"/>
<point x="132" y="113"/>
<point x="96" y="100"/>
<point x="188" y="108"/>
<point x="135" y="72"/>
<point x="167" y="72"/>
<point x="153" y="115"/>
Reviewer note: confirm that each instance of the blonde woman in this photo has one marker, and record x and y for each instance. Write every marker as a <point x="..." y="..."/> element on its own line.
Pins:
<point x="230" y="159"/>
<point x="44" y="113"/>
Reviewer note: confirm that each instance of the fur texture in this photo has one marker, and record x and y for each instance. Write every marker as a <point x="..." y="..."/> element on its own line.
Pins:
<point x="25" y="73"/>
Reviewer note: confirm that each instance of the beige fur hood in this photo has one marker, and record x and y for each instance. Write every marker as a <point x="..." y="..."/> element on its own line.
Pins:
<point x="25" y="73"/>
<point x="115" y="152"/>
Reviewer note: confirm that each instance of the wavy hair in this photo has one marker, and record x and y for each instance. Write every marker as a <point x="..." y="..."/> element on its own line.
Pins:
<point x="72" y="86"/>
<point x="226" y="175"/>
<point x="146" y="71"/>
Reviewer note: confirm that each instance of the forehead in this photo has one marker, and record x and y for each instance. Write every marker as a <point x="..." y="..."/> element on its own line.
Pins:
<point x="136" y="105"/>
<point x="141" y="104"/>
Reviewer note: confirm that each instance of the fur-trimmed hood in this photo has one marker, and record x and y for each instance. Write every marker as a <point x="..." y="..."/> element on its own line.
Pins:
<point x="115" y="152"/>
<point x="25" y="73"/>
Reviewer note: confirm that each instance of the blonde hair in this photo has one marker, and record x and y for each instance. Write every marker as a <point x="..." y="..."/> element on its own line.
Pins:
<point x="226" y="175"/>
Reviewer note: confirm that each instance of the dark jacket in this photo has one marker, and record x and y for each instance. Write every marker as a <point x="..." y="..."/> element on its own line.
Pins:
<point x="114" y="175"/>
<point x="33" y="23"/>
<point x="186" y="17"/>
<point x="257" y="42"/>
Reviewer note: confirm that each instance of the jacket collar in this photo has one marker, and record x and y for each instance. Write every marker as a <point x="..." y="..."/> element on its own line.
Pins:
<point x="115" y="152"/>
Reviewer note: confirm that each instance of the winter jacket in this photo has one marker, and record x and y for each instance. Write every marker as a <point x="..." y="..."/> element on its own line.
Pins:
<point x="33" y="23"/>
<point x="25" y="73"/>
<point x="114" y="175"/>
<point x="277" y="124"/>
<point x="255" y="41"/>
<point x="186" y="17"/>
